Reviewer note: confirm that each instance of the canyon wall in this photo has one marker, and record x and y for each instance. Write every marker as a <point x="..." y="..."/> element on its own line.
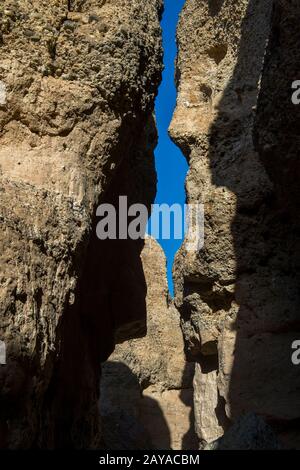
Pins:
<point x="239" y="296"/>
<point x="78" y="80"/>
<point x="146" y="396"/>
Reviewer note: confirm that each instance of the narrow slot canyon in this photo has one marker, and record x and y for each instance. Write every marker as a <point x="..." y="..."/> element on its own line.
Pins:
<point x="146" y="393"/>
<point x="230" y="312"/>
<point x="128" y="343"/>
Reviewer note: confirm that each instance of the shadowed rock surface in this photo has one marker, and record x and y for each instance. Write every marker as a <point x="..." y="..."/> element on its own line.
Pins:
<point x="249" y="432"/>
<point x="147" y="382"/>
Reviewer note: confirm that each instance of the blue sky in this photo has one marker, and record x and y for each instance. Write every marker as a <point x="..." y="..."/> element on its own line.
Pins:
<point x="171" y="165"/>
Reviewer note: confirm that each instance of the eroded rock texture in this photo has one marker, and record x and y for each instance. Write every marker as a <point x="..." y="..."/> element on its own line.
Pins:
<point x="78" y="81"/>
<point x="146" y="396"/>
<point x="239" y="296"/>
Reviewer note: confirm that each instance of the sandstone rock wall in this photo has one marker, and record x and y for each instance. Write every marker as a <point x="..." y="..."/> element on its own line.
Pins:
<point x="239" y="296"/>
<point x="78" y="82"/>
<point x="146" y="397"/>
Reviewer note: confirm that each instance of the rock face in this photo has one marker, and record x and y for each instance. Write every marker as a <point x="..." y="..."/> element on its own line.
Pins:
<point x="146" y="395"/>
<point x="249" y="432"/>
<point x="78" y="82"/>
<point x="239" y="296"/>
